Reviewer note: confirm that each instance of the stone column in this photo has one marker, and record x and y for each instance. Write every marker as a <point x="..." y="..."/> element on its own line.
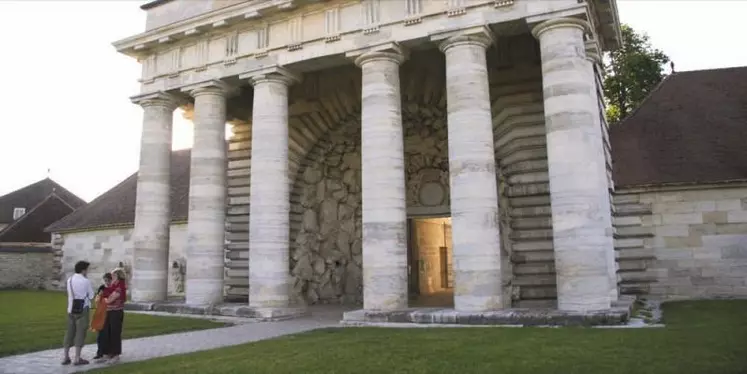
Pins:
<point x="207" y="195"/>
<point x="595" y="59"/>
<point x="576" y="164"/>
<point x="383" y="178"/>
<point x="153" y="204"/>
<point x="269" y="205"/>
<point x="474" y="193"/>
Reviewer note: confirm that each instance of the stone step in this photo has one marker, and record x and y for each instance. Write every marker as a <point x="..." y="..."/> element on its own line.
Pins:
<point x="634" y="254"/>
<point x="531" y="212"/>
<point x="531" y="223"/>
<point x="629" y="243"/>
<point x="525" y="166"/>
<point x="525" y="178"/>
<point x="530" y="201"/>
<point x="236" y="173"/>
<point x="532" y="257"/>
<point x="533" y="189"/>
<point x="632" y="265"/>
<point x="532" y="268"/>
<point x="531" y="235"/>
<point x="634" y="232"/>
<point x="632" y="209"/>
<point x="535" y="280"/>
<point x="534" y="152"/>
<point x="647" y="276"/>
<point x="545" y="292"/>
<point x="237" y="250"/>
<point x="543" y="245"/>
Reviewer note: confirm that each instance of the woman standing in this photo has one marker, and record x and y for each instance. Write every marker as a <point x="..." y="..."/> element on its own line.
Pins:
<point x="115" y="295"/>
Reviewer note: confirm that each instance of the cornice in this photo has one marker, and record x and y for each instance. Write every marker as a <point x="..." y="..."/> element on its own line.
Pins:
<point x="136" y="45"/>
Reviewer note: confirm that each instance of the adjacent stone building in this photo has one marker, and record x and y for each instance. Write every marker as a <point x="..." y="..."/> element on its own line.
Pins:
<point x="680" y="170"/>
<point x="27" y="259"/>
<point x="388" y="154"/>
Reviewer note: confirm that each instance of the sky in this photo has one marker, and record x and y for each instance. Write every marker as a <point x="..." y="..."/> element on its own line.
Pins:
<point x="64" y="99"/>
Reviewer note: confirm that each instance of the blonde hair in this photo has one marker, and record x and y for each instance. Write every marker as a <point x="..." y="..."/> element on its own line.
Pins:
<point x="119" y="273"/>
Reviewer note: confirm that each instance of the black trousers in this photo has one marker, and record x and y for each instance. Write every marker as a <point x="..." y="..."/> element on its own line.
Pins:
<point x="111" y="335"/>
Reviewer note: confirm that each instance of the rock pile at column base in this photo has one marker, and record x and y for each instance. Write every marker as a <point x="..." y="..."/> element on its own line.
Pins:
<point x="619" y="314"/>
<point x="225" y="310"/>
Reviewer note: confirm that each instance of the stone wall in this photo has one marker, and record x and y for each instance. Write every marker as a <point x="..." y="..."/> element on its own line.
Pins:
<point x="27" y="266"/>
<point x="692" y="240"/>
<point x="324" y="164"/>
<point x="106" y="249"/>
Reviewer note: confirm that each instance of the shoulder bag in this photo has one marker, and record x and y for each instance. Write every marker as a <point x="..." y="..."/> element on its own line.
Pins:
<point x="78" y="304"/>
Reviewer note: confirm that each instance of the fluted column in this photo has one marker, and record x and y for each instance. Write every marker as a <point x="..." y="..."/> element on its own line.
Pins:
<point x="269" y="205"/>
<point x="579" y="191"/>
<point x="595" y="58"/>
<point x="384" y="205"/>
<point x="474" y="194"/>
<point x="207" y="195"/>
<point x="153" y="204"/>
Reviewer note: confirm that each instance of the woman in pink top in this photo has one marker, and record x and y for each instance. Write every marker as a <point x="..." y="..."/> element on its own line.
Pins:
<point x="115" y="295"/>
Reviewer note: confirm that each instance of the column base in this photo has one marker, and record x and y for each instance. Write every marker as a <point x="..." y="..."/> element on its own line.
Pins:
<point x="222" y="309"/>
<point x="619" y="314"/>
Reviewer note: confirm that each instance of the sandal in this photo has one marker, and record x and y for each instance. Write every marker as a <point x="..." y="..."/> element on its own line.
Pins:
<point x="81" y="362"/>
<point x="66" y="361"/>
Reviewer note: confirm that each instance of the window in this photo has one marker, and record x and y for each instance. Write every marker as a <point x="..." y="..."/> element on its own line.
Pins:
<point x="18" y="212"/>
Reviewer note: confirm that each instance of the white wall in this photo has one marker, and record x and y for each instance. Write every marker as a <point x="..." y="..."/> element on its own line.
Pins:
<point x="105" y="249"/>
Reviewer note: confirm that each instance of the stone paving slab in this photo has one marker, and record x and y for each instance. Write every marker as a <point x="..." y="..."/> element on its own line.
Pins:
<point x="619" y="314"/>
<point x="224" y="309"/>
<point x="166" y="345"/>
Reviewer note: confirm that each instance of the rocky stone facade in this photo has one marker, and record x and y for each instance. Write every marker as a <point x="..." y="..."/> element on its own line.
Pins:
<point x="111" y="248"/>
<point x="27" y="266"/>
<point x="403" y="111"/>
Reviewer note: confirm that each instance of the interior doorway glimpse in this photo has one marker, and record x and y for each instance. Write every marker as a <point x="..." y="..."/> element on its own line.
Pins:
<point x="431" y="273"/>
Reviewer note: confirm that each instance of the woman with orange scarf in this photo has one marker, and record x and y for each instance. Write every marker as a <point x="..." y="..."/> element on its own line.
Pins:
<point x="99" y="315"/>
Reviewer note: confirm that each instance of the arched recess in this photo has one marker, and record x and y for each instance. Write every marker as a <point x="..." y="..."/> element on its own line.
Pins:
<point x="324" y="174"/>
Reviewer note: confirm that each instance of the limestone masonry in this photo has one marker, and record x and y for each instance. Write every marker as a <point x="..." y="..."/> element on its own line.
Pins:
<point x="356" y="123"/>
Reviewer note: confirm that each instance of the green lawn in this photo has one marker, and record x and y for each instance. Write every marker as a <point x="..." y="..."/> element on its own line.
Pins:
<point x="706" y="337"/>
<point x="35" y="320"/>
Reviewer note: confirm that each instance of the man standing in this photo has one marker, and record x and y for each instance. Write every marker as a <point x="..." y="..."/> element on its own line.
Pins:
<point x="79" y="296"/>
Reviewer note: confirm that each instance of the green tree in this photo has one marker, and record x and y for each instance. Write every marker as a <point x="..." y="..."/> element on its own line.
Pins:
<point x="631" y="73"/>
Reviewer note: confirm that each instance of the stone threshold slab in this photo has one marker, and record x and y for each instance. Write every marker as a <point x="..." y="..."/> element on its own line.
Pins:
<point x="225" y="310"/>
<point x="619" y="314"/>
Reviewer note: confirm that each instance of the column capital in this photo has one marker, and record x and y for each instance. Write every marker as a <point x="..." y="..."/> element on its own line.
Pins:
<point x="560" y="22"/>
<point x="592" y="51"/>
<point x="481" y="36"/>
<point x="159" y="98"/>
<point x="271" y="74"/>
<point x="389" y="51"/>
<point x="213" y="86"/>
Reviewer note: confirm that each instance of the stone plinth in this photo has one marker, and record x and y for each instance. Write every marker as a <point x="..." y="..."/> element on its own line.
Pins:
<point x="619" y="314"/>
<point x="224" y="309"/>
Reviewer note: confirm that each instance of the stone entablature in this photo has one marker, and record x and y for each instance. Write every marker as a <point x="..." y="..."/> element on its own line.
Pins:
<point x="253" y="35"/>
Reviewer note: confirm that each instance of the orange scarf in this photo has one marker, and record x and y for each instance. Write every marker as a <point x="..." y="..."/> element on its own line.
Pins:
<point x="99" y="315"/>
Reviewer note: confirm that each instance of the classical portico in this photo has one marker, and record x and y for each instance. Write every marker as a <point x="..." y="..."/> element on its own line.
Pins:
<point x="350" y="120"/>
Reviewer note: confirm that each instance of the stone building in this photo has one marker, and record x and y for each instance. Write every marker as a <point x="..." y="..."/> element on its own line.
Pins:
<point x="390" y="154"/>
<point x="357" y="117"/>
<point x="27" y="260"/>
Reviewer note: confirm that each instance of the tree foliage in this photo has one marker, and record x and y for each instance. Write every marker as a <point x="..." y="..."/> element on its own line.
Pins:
<point x="631" y="73"/>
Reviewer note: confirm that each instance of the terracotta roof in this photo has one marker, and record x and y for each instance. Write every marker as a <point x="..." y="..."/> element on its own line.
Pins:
<point x="30" y="196"/>
<point x="116" y="207"/>
<point x="691" y="129"/>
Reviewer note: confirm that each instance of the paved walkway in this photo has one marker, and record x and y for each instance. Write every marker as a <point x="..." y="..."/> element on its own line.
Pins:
<point x="166" y="345"/>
